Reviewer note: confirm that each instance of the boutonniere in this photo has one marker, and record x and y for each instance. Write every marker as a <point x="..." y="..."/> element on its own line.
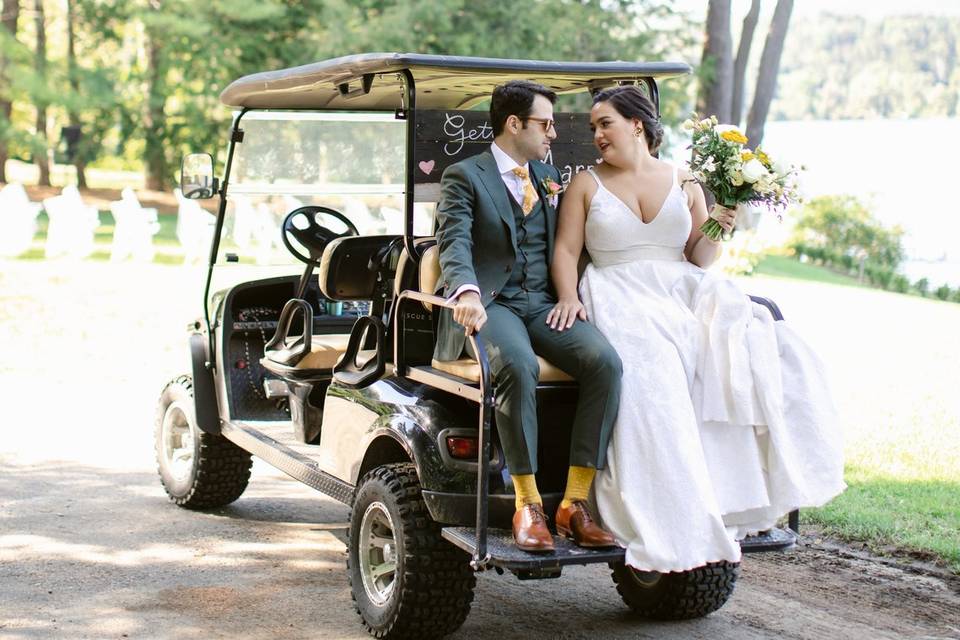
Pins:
<point x="551" y="187"/>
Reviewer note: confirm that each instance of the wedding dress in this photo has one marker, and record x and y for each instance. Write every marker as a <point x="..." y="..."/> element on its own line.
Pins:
<point x="725" y="420"/>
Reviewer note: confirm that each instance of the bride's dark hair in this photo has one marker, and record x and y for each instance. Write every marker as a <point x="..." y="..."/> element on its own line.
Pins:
<point x="630" y="102"/>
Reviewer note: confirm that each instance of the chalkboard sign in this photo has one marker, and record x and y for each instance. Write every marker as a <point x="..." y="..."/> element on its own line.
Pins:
<point x="447" y="137"/>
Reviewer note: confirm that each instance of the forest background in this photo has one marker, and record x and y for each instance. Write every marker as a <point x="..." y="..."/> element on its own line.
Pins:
<point x="131" y="84"/>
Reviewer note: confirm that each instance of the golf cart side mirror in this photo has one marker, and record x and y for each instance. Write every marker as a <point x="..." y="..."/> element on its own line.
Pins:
<point x="196" y="176"/>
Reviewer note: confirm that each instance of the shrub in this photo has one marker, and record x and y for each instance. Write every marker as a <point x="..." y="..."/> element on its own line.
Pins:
<point x="882" y="277"/>
<point x="900" y="283"/>
<point x="942" y="292"/>
<point x="922" y="286"/>
<point x="847" y="261"/>
<point x="845" y="223"/>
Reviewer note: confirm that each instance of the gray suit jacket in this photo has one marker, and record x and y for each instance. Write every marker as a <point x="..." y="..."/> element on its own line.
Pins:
<point x="477" y="236"/>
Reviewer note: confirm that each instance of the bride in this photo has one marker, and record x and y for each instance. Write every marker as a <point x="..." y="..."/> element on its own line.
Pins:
<point x="725" y="421"/>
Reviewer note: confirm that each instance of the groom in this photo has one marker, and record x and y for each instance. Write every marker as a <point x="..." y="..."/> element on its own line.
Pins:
<point x="497" y="221"/>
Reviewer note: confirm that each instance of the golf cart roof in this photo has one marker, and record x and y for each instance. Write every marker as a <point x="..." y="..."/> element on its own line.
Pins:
<point x="374" y="81"/>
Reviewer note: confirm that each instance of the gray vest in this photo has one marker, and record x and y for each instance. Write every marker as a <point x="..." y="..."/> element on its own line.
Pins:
<point x="530" y="273"/>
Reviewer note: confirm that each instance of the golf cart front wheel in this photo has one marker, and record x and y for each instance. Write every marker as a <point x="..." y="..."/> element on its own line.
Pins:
<point x="680" y="595"/>
<point x="198" y="470"/>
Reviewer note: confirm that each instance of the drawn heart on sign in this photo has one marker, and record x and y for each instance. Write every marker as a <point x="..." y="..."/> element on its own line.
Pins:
<point x="427" y="166"/>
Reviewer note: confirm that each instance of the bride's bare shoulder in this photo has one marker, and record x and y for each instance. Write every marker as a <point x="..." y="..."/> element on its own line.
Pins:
<point x="582" y="182"/>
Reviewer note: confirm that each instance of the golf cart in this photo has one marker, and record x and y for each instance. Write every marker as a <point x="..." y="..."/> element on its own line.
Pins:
<point x="315" y="349"/>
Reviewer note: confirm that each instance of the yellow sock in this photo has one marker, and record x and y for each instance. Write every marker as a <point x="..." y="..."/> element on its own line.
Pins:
<point x="579" y="480"/>
<point x="525" y="487"/>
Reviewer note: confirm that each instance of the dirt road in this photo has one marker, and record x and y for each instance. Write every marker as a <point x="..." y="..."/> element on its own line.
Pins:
<point x="91" y="548"/>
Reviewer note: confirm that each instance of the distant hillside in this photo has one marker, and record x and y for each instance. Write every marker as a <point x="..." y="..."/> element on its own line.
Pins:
<point x="838" y="67"/>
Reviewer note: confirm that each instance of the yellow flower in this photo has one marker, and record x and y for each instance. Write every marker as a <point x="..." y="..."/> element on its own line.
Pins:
<point x="764" y="158"/>
<point x="734" y="136"/>
<point x="746" y="156"/>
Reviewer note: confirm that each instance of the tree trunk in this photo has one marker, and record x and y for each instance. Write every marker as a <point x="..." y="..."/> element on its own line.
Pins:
<point x="769" y="67"/>
<point x="42" y="145"/>
<point x="154" y="153"/>
<point x="740" y="64"/>
<point x="11" y="15"/>
<point x="79" y="161"/>
<point x="716" y="67"/>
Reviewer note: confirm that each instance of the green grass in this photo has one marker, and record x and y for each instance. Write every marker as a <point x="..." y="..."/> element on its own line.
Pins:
<point x="921" y="517"/>
<point x="784" y="267"/>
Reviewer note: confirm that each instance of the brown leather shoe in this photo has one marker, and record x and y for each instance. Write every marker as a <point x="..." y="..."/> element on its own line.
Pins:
<point x="576" y="523"/>
<point x="530" y="530"/>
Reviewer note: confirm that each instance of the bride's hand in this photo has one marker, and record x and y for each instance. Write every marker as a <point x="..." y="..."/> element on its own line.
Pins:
<point x="725" y="217"/>
<point x="565" y="313"/>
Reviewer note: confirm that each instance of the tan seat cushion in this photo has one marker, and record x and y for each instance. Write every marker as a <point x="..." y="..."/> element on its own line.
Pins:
<point x="325" y="351"/>
<point x="469" y="369"/>
<point x="429" y="270"/>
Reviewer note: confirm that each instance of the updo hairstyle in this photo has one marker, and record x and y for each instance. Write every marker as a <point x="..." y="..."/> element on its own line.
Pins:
<point x="630" y="102"/>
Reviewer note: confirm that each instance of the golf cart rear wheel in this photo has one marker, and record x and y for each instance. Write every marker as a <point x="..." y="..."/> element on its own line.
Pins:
<point x="676" y="596"/>
<point x="406" y="581"/>
<point x="198" y="470"/>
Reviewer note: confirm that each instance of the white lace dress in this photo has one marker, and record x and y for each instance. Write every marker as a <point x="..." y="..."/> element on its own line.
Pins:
<point x="725" y="419"/>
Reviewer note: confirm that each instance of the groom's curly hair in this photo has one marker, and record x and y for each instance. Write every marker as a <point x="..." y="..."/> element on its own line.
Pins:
<point x="630" y="102"/>
<point x="515" y="98"/>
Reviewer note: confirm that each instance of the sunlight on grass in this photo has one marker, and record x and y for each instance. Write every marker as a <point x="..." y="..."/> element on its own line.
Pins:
<point x="784" y="267"/>
<point x="903" y="472"/>
<point x="922" y="516"/>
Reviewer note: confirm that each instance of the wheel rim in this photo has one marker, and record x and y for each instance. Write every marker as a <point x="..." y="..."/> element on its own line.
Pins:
<point x="645" y="579"/>
<point x="177" y="439"/>
<point x="377" y="546"/>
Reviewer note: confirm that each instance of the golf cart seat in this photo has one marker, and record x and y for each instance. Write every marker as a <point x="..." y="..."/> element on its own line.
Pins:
<point x="466" y="368"/>
<point x="350" y="269"/>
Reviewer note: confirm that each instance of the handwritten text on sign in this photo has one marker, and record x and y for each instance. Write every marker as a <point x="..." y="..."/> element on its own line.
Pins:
<point x="447" y="137"/>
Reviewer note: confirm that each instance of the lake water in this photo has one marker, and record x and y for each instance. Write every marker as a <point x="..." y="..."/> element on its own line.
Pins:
<point x="904" y="170"/>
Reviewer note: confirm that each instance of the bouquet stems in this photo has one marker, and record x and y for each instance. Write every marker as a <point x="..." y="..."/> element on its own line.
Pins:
<point x="712" y="229"/>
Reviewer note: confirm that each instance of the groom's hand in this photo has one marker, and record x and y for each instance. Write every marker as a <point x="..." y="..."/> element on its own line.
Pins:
<point x="469" y="312"/>
<point x="565" y="313"/>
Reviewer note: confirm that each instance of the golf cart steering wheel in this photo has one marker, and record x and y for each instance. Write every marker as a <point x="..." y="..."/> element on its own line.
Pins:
<point x="302" y="224"/>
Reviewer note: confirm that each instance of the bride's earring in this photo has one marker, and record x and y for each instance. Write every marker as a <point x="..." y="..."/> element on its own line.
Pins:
<point x="638" y="132"/>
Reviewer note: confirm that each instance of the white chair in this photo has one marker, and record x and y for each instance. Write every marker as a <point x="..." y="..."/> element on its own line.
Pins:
<point x="72" y="224"/>
<point x="194" y="229"/>
<point x="134" y="228"/>
<point x="393" y="220"/>
<point x="18" y="220"/>
<point x="366" y="221"/>
<point x="244" y="221"/>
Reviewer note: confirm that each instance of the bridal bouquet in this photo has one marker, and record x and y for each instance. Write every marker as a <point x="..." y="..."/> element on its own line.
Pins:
<point x="735" y="175"/>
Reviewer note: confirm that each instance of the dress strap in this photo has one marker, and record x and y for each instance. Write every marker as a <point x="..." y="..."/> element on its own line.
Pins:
<point x="595" y="177"/>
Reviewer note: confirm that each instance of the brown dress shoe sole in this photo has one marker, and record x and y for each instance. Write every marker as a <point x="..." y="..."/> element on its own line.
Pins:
<point x="567" y="533"/>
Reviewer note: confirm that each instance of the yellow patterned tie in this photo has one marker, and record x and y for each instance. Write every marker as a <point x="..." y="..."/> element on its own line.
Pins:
<point x="529" y="193"/>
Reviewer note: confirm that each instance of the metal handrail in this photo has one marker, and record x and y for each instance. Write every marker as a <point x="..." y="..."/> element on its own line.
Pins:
<point x="480" y="556"/>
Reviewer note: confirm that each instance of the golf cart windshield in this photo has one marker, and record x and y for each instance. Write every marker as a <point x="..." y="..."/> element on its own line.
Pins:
<point x="351" y="162"/>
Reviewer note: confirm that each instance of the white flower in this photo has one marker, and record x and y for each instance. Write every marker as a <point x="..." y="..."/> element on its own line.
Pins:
<point x="709" y="165"/>
<point x="753" y="170"/>
<point x="736" y="178"/>
<point x="689" y="125"/>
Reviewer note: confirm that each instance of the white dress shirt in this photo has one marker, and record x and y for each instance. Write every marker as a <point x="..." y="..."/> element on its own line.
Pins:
<point x="506" y="165"/>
